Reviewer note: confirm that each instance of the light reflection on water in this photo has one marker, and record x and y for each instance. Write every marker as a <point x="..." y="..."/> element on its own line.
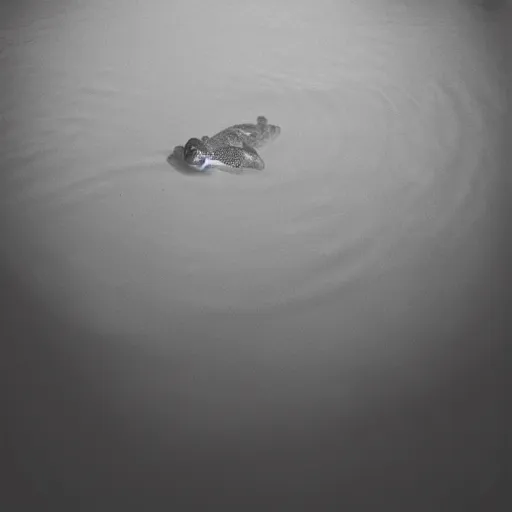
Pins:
<point x="388" y="154"/>
<point x="390" y="131"/>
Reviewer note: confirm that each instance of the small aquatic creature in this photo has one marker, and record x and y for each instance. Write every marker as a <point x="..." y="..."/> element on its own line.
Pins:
<point x="232" y="149"/>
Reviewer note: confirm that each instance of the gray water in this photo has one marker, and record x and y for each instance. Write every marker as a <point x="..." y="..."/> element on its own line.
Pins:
<point x="321" y="334"/>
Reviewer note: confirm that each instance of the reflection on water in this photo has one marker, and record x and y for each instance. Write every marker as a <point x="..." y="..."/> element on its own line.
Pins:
<point x="284" y="306"/>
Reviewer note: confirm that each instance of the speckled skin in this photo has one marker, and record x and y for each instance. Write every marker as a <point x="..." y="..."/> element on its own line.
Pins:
<point x="253" y="135"/>
<point x="233" y="147"/>
<point x="202" y="156"/>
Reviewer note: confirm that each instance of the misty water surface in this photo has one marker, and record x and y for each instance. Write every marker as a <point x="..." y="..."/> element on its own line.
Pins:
<point x="312" y="331"/>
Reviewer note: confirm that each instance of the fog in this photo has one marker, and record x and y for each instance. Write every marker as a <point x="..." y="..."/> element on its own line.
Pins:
<point x="324" y="334"/>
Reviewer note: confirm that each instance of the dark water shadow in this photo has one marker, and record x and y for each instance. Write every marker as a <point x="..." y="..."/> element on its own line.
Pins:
<point x="72" y="438"/>
<point x="492" y="5"/>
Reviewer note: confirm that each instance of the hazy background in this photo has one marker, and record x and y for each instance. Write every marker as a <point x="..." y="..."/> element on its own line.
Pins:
<point x="325" y="335"/>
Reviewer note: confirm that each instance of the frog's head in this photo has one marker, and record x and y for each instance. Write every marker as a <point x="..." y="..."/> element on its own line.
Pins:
<point x="195" y="153"/>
